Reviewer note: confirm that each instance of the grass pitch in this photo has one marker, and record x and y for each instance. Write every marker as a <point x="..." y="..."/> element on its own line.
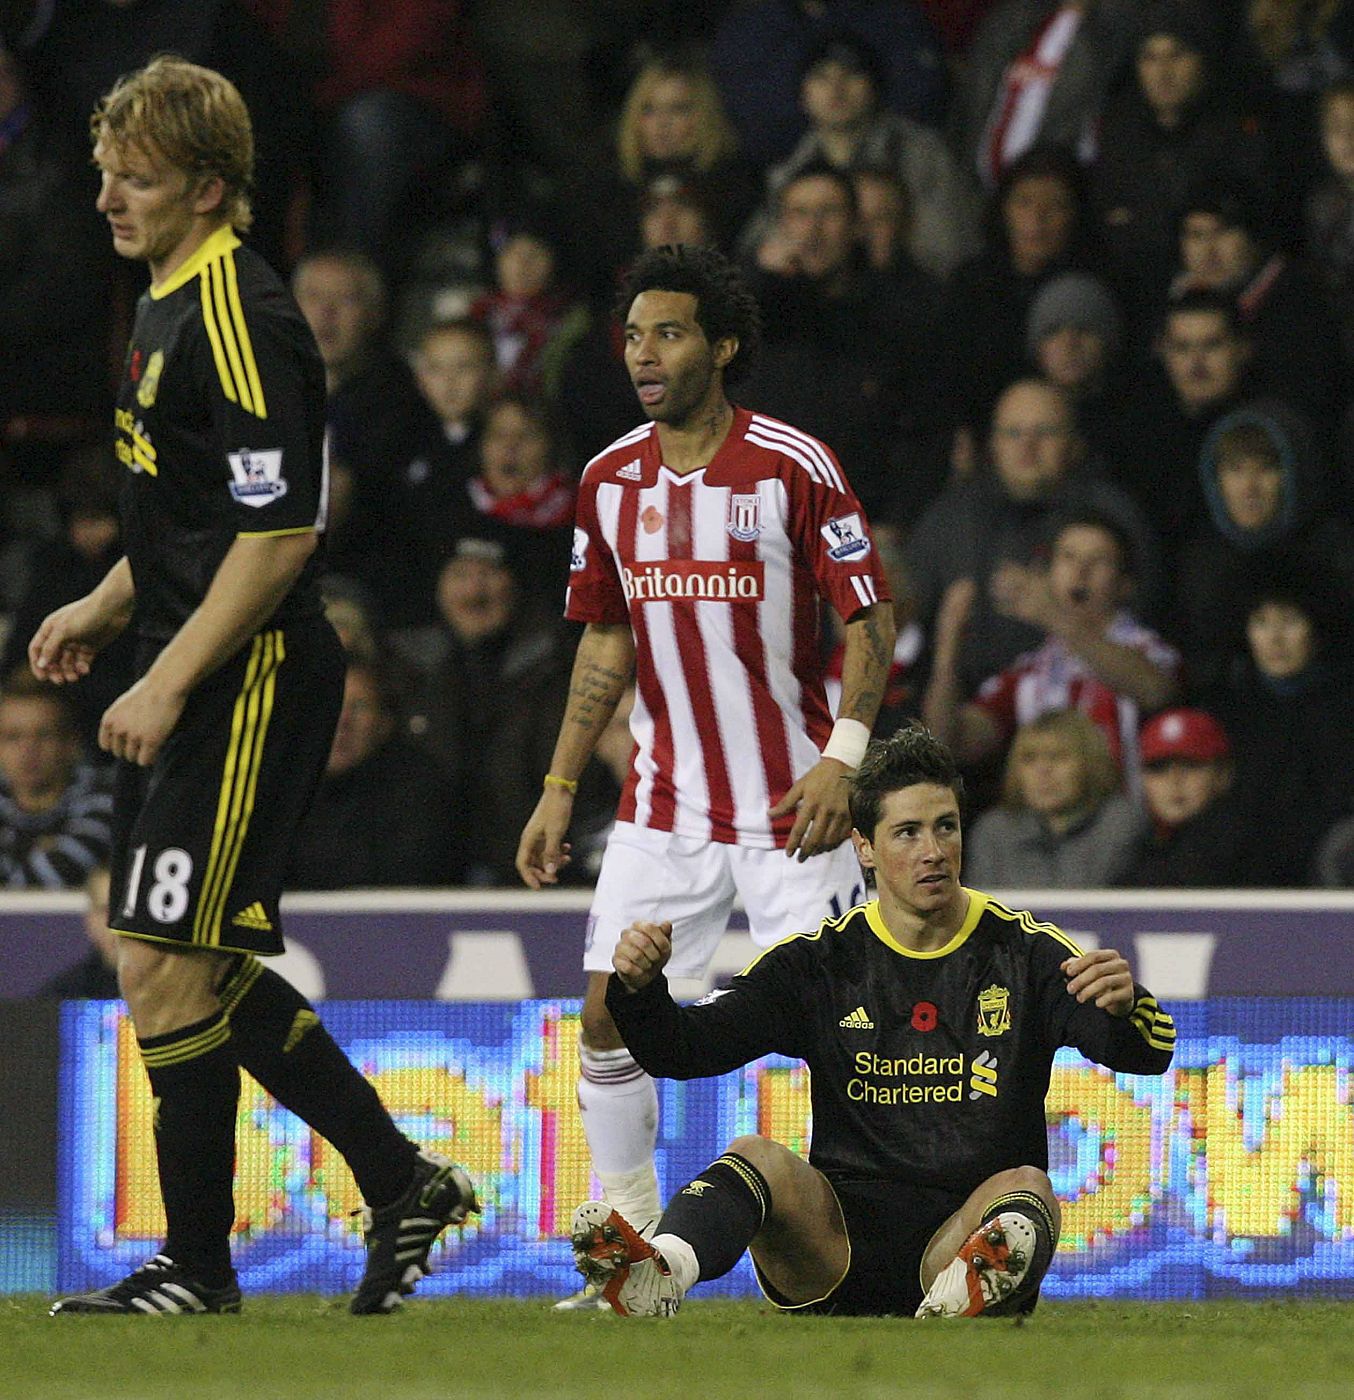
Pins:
<point x="300" y="1347"/>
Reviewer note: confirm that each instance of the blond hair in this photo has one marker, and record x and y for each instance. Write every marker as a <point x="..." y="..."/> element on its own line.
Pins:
<point x="192" y="117"/>
<point x="715" y="138"/>
<point x="1085" y="738"/>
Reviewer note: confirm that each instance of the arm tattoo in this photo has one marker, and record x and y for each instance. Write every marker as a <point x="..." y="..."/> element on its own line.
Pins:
<point x="874" y="647"/>
<point x="593" y="694"/>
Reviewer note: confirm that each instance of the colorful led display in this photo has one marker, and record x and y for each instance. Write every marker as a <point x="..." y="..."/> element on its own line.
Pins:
<point x="1231" y="1175"/>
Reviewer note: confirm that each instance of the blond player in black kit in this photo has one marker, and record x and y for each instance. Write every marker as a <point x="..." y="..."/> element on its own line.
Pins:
<point x="929" y="1018"/>
<point x="222" y="739"/>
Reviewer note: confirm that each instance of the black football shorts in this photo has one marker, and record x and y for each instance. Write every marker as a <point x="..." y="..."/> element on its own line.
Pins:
<point x="889" y="1227"/>
<point x="202" y="837"/>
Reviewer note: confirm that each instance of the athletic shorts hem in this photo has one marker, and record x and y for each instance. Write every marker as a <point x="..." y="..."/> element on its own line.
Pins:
<point x="774" y="1296"/>
<point x="274" y="949"/>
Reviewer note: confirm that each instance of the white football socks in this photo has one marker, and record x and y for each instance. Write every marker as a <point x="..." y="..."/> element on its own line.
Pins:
<point x="619" y="1106"/>
<point x="680" y="1259"/>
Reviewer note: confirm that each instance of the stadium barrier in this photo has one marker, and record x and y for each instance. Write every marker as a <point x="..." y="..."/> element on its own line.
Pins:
<point x="1232" y="1175"/>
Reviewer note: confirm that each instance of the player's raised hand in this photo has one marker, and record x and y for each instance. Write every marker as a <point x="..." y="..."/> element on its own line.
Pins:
<point x="1102" y="976"/>
<point x="642" y="953"/>
<point x="819" y="801"/>
<point x="543" y="852"/>
<point x="67" y="641"/>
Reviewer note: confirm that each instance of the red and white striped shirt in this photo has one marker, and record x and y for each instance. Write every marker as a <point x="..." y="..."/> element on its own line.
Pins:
<point x="1053" y="677"/>
<point x="719" y="573"/>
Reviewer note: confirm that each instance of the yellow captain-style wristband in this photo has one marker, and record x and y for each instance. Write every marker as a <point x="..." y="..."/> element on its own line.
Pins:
<point x="568" y="784"/>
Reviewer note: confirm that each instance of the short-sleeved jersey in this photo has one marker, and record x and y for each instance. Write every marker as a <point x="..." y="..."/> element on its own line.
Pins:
<point x="926" y="1068"/>
<point x="1053" y="677"/>
<point x="719" y="573"/>
<point x="220" y="421"/>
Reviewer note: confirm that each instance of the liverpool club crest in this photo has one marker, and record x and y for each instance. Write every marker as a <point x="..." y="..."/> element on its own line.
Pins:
<point x="994" y="1011"/>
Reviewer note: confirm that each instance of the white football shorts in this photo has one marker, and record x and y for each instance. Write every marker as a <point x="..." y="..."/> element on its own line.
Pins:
<point x="655" y="876"/>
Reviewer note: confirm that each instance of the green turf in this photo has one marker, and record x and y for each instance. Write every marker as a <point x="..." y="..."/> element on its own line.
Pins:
<point x="301" y="1347"/>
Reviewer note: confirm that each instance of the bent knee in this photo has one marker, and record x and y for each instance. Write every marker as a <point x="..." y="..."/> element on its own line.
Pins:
<point x="1032" y="1179"/>
<point x="166" y="987"/>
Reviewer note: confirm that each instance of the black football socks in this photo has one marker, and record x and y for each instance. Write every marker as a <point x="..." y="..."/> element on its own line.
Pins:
<point x="280" y="1040"/>
<point x="719" y="1213"/>
<point x="195" y="1082"/>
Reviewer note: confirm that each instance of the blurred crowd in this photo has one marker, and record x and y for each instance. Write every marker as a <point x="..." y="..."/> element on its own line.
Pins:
<point x="1069" y="288"/>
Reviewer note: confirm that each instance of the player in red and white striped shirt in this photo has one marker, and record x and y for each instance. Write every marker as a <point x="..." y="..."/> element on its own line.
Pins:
<point x="705" y="542"/>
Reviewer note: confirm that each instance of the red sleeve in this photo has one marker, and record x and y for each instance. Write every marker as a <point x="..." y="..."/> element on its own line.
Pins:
<point x="594" y="593"/>
<point x="834" y="540"/>
<point x="997" y="696"/>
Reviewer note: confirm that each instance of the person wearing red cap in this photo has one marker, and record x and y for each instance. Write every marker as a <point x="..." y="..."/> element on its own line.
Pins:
<point x="1194" y="838"/>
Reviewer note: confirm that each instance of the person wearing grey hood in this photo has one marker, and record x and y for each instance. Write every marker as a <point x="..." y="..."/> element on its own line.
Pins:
<point x="1074" y="336"/>
<point x="1267" y="493"/>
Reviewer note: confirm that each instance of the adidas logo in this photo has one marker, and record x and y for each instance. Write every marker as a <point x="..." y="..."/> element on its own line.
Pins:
<point x="631" y="471"/>
<point x="857" y="1020"/>
<point x="253" y="917"/>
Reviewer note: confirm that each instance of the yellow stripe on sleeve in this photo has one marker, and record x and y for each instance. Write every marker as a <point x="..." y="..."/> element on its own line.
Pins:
<point x="227" y="329"/>
<point x="251" y="368"/>
<point x="214" y="337"/>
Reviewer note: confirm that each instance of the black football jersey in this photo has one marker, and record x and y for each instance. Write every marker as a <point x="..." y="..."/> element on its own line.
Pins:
<point x="926" y="1068"/>
<point x="220" y="422"/>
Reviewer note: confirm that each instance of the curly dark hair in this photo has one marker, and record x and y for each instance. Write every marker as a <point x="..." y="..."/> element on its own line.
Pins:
<point x="724" y="305"/>
<point x="909" y="755"/>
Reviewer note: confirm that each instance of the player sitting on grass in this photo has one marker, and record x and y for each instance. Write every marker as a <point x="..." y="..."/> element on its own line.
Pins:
<point x="929" y="1018"/>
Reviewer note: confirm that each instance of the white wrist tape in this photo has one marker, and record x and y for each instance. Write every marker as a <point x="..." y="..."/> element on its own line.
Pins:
<point x="848" y="743"/>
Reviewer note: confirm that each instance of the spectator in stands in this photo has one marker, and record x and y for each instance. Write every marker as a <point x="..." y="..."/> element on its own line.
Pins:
<point x="529" y="315"/>
<point x="521" y="493"/>
<point x="1205" y="354"/>
<point x="1268" y="516"/>
<point x="1329" y="242"/>
<point x="1074" y="337"/>
<point x="95" y="976"/>
<point x="399" y="96"/>
<point x="673" y="124"/>
<point x="1037" y="74"/>
<point x="848" y="353"/>
<point x="842" y="93"/>
<point x="376" y="418"/>
<point x="1287" y="52"/>
<point x="382" y="815"/>
<point x="1289" y="708"/>
<point x="758" y="57"/>
<point x="1227" y="245"/>
<point x="490" y="704"/>
<point x="884" y="217"/>
<point x="1038" y="226"/>
<point x="1096" y="657"/>
<point x="1176" y="123"/>
<point x="1196" y="831"/>
<point x="55" y="810"/>
<point x="348" y="607"/>
<point x="54" y="309"/>
<point x="68" y="567"/>
<point x="1004" y="513"/>
<point x="1063" y="821"/>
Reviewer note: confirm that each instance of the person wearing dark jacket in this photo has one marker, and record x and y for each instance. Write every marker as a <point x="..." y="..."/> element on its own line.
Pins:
<point x="488" y="709"/>
<point x="1266" y="497"/>
<point x="382" y="813"/>
<point x="1162" y="133"/>
<point x="1195" y="838"/>
<point x="1289" y="707"/>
